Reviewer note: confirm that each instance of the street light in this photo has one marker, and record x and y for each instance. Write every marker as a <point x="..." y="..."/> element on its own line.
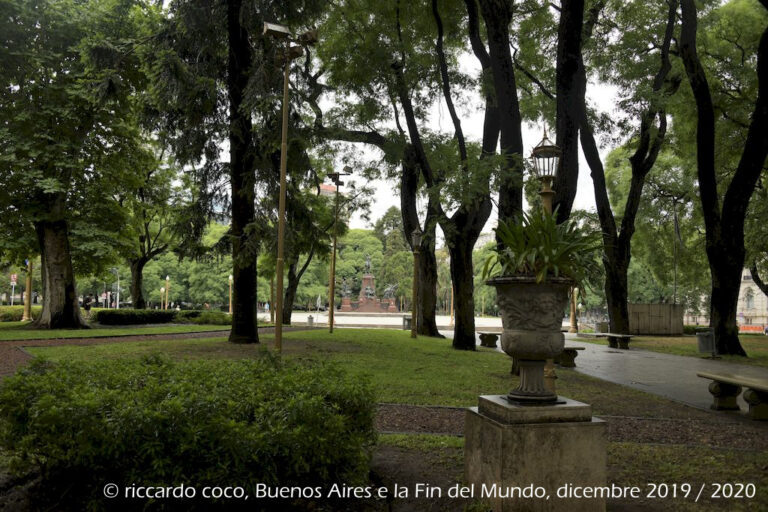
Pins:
<point x="27" y="315"/>
<point x="336" y="178"/>
<point x="162" y="298"/>
<point x="416" y="242"/>
<point x="231" y="279"/>
<point x="167" y="289"/>
<point x="546" y="160"/>
<point x="290" y="52"/>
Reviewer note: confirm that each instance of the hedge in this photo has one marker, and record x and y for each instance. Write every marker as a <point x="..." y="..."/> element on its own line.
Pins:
<point x="134" y="316"/>
<point x="79" y="426"/>
<point x="14" y="313"/>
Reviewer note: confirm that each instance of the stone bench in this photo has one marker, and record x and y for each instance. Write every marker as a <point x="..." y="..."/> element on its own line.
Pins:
<point x="618" y="340"/>
<point x="725" y="387"/>
<point x="488" y="339"/>
<point x="567" y="359"/>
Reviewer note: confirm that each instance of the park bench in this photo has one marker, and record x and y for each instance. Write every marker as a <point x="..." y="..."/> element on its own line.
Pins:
<point x="488" y="339"/>
<point x="725" y="387"/>
<point x="619" y="340"/>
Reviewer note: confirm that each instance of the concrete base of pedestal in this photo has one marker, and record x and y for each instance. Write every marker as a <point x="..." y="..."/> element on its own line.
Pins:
<point x="548" y="446"/>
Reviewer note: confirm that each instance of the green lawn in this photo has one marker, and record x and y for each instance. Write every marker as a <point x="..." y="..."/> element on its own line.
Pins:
<point x="10" y="331"/>
<point x="755" y="346"/>
<point x="425" y="371"/>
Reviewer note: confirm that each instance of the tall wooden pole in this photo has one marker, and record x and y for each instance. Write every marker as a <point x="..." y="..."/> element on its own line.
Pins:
<point x="281" y="209"/>
<point x="332" y="280"/>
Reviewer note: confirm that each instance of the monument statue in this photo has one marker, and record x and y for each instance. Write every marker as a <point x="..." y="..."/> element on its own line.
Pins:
<point x="369" y="293"/>
<point x="367" y="263"/>
<point x="389" y="291"/>
<point x="345" y="291"/>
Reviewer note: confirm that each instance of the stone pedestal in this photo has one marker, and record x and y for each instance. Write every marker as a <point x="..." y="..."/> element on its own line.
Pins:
<point x="392" y="308"/>
<point x="346" y="304"/>
<point x="549" y="446"/>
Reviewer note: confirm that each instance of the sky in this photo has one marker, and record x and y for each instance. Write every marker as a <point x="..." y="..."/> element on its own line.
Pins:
<point x="599" y="95"/>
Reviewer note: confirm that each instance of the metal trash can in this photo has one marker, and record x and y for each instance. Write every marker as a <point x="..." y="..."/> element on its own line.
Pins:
<point x="310" y="321"/>
<point x="406" y="323"/>
<point x="706" y="339"/>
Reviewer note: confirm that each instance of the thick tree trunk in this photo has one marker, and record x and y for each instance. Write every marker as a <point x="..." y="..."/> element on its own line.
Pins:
<point x="757" y="279"/>
<point x="726" y="282"/>
<point x="569" y="92"/>
<point x="616" y="294"/>
<point x="427" y="304"/>
<point x="290" y="293"/>
<point x="462" y="275"/>
<point x="244" y="303"/>
<point x="137" y="283"/>
<point x="61" y="309"/>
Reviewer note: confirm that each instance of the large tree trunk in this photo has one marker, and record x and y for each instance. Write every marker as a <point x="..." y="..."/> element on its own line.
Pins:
<point x="569" y="91"/>
<point x="462" y="275"/>
<point x="427" y="303"/>
<point x="137" y="283"/>
<point x="244" y="303"/>
<point x="290" y="293"/>
<point x="725" y="226"/>
<point x="61" y="309"/>
<point x="616" y="293"/>
<point x="757" y="279"/>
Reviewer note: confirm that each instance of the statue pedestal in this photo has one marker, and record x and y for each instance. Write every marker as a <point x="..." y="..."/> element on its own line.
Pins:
<point x="549" y="446"/>
<point x="346" y="304"/>
<point x="392" y="308"/>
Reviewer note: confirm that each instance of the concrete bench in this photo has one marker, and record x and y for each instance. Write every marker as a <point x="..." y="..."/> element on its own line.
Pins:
<point x="567" y="359"/>
<point x="725" y="387"/>
<point x="618" y="340"/>
<point x="488" y="339"/>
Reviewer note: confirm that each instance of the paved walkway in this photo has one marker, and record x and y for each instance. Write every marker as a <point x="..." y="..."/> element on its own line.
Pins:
<point x="665" y="375"/>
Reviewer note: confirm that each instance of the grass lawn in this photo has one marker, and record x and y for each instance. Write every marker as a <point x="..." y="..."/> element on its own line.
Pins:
<point x="425" y="371"/>
<point x="755" y="346"/>
<point x="10" y="331"/>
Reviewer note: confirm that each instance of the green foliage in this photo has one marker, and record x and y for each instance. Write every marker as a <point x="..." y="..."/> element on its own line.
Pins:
<point x="134" y="316"/>
<point x="540" y="247"/>
<point x="155" y="422"/>
<point x="204" y="317"/>
<point x="14" y="313"/>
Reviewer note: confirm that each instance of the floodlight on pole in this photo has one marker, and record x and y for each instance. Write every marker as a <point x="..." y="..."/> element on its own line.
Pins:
<point x="290" y="52"/>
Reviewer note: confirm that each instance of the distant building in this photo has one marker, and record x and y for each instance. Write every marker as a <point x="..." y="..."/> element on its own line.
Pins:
<point x="752" y="308"/>
<point x="327" y="190"/>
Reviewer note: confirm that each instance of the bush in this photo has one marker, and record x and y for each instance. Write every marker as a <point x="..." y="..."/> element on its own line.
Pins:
<point x="693" y="329"/>
<point x="155" y="422"/>
<point x="133" y="316"/>
<point x="204" y="317"/>
<point x="14" y="313"/>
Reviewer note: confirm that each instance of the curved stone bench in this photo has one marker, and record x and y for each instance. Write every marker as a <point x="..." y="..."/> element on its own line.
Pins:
<point x="725" y="387"/>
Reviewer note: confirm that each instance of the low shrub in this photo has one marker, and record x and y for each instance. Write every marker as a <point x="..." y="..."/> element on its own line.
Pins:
<point x="14" y="313"/>
<point x="156" y="422"/>
<point x="206" y="318"/>
<point x="133" y="316"/>
<point x="693" y="329"/>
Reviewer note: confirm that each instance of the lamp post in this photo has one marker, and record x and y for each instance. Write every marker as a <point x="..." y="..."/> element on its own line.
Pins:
<point x="167" y="289"/>
<point x="546" y="160"/>
<point x="231" y="280"/>
<point x="574" y="321"/>
<point x="416" y="242"/>
<point x="336" y="177"/>
<point x="162" y="297"/>
<point x="290" y="52"/>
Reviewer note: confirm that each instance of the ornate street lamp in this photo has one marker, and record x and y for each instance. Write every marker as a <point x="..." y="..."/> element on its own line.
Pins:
<point x="162" y="297"/>
<point x="546" y="161"/>
<point x="336" y="178"/>
<point x="416" y="243"/>
<point x="167" y="289"/>
<point x="290" y="52"/>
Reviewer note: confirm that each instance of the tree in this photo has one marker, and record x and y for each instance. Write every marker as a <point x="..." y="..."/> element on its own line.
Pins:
<point x="724" y="221"/>
<point x="69" y="76"/>
<point x="216" y="75"/>
<point x="389" y="229"/>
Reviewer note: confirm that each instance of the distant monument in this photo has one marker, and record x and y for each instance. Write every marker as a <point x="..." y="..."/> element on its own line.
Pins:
<point x="367" y="301"/>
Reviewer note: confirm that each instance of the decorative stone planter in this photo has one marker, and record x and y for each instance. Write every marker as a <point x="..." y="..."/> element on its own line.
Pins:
<point x="532" y="315"/>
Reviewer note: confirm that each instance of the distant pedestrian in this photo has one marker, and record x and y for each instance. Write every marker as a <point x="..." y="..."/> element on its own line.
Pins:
<point x="765" y="329"/>
<point x="87" y="302"/>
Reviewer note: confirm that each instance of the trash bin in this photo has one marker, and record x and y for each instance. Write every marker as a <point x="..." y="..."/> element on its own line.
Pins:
<point x="406" y="323"/>
<point x="310" y="321"/>
<point x="603" y="327"/>
<point x="706" y="339"/>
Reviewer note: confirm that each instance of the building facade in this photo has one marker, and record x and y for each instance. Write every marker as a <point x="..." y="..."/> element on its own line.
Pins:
<point x="752" y="309"/>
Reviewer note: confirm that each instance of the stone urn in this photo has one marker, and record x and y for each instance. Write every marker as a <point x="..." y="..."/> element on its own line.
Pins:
<point x="531" y="315"/>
